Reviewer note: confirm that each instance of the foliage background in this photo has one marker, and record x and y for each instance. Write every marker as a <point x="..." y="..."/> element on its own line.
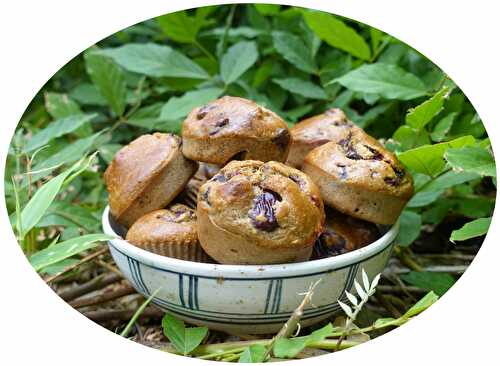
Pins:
<point x="295" y="62"/>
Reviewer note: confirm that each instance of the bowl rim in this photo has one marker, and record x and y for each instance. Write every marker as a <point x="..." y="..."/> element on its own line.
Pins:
<point x="226" y="271"/>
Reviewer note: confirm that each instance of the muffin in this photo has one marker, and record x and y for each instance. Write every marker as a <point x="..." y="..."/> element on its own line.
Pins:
<point x="169" y="232"/>
<point x="259" y="213"/>
<point x="146" y="175"/>
<point x="316" y="131"/>
<point x="359" y="177"/>
<point x="343" y="234"/>
<point x="232" y="128"/>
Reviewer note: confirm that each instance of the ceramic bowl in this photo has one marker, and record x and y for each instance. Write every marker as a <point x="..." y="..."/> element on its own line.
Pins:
<point x="245" y="299"/>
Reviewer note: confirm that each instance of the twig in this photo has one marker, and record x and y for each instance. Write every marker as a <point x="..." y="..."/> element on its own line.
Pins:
<point x="289" y="327"/>
<point x="77" y="264"/>
<point x="96" y="283"/>
<point x="388" y="305"/>
<point x="102" y="298"/>
<point x="109" y="267"/>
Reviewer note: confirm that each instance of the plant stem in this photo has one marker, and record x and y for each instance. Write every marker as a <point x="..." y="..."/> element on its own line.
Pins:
<point x="139" y="311"/>
<point x="204" y="50"/>
<point x="79" y="263"/>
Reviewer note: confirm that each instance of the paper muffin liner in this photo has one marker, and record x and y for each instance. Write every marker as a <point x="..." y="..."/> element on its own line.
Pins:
<point x="186" y="251"/>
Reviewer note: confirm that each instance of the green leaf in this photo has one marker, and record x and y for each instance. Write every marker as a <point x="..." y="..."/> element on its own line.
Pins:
<point x="88" y="94"/>
<point x="253" y="354"/>
<point x="449" y="179"/>
<point x="422" y="114"/>
<point x="301" y="87"/>
<point x="179" y="107"/>
<point x="60" y="105"/>
<point x="410" y="226"/>
<point x="154" y="60"/>
<point x="443" y="127"/>
<point x="60" y="251"/>
<point x="183" y="339"/>
<point x="389" y="81"/>
<point x="42" y="199"/>
<point x="180" y="27"/>
<point x="290" y="347"/>
<point x="470" y="230"/>
<point x="267" y="9"/>
<point x="69" y="154"/>
<point x="109" y="79"/>
<point x="424" y="198"/>
<point x="56" y="129"/>
<point x="428" y="159"/>
<point x="421" y="304"/>
<point x="238" y="59"/>
<point x="472" y="159"/>
<point x="431" y="281"/>
<point x="334" y="32"/>
<point x="410" y="138"/>
<point x="293" y="49"/>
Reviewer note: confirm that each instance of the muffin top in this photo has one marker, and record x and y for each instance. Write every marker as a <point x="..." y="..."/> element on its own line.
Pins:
<point x="318" y="130"/>
<point x="233" y="116"/>
<point x="276" y="205"/>
<point x="360" y="160"/>
<point x="174" y="225"/>
<point x="135" y="166"/>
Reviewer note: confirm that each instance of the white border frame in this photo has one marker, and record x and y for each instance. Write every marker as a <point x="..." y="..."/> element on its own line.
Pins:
<point x="41" y="36"/>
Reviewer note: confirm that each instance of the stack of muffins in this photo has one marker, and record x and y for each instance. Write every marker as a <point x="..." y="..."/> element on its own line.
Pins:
<point x="240" y="187"/>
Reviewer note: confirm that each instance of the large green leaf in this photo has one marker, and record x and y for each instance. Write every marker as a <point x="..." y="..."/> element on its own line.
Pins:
<point x="431" y="281"/>
<point x="411" y="224"/>
<point x="472" y="159"/>
<point x="422" y="114"/>
<point x="109" y="79"/>
<point x="179" y="107"/>
<point x="60" y="105"/>
<point x="301" y="87"/>
<point x="180" y="27"/>
<point x="238" y="59"/>
<point x="388" y="81"/>
<point x="43" y="198"/>
<point x="183" y="339"/>
<point x="334" y="32"/>
<point x="290" y="347"/>
<point x="422" y="304"/>
<point x="253" y="354"/>
<point x="293" y="49"/>
<point x="156" y="61"/>
<point x="268" y="9"/>
<point x="60" y="251"/>
<point x="428" y="159"/>
<point x="472" y="229"/>
<point x="56" y="129"/>
<point x="442" y="127"/>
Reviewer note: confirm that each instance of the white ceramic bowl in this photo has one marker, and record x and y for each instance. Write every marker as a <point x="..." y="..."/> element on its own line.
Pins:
<point x="247" y="299"/>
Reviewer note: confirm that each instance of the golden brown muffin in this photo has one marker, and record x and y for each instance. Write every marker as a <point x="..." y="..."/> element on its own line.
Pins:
<point x="312" y="132"/>
<point x="259" y="213"/>
<point x="146" y="175"/>
<point x="343" y="234"/>
<point x="359" y="177"/>
<point x="232" y="128"/>
<point x="169" y="232"/>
